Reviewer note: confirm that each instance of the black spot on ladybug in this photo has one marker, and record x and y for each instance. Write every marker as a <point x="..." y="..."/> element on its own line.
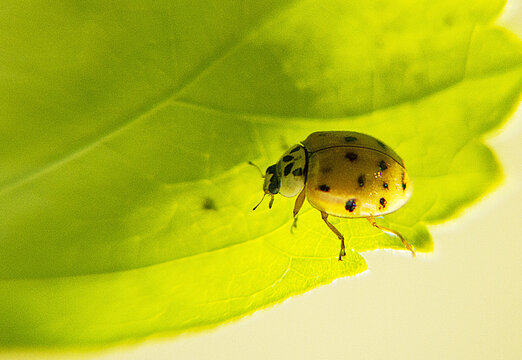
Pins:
<point x="324" y="188"/>
<point x="385" y="185"/>
<point x="350" y="205"/>
<point x="350" y="138"/>
<point x="360" y="180"/>
<point x="351" y="156"/>
<point x="382" y="165"/>
<point x="381" y="144"/>
<point x="209" y="204"/>
<point x="287" y="158"/>
<point x="326" y="170"/>
<point x="382" y="201"/>
<point x="403" y="183"/>
<point x="297" y="148"/>
<point x="297" y="172"/>
<point x="288" y="168"/>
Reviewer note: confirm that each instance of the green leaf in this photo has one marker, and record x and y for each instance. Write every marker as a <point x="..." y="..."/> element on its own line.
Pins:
<point x="125" y="194"/>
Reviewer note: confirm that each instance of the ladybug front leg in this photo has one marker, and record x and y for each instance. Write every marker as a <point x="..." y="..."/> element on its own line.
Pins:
<point x="298" y="204"/>
<point x="299" y="201"/>
<point x="336" y="232"/>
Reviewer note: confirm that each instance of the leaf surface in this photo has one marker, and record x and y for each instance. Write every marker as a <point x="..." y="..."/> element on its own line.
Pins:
<point x="126" y="129"/>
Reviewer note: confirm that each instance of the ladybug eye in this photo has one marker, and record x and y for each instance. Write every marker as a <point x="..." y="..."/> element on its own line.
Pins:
<point x="273" y="188"/>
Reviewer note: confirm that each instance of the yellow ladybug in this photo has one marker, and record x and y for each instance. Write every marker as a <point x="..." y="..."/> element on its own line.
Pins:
<point x="344" y="174"/>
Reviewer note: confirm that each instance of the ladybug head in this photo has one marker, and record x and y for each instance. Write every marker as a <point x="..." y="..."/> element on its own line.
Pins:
<point x="271" y="185"/>
<point x="272" y="181"/>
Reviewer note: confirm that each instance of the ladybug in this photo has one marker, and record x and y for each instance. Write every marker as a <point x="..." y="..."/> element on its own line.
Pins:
<point x="344" y="174"/>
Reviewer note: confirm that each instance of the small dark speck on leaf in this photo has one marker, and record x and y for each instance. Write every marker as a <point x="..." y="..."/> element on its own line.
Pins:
<point x="209" y="204"/>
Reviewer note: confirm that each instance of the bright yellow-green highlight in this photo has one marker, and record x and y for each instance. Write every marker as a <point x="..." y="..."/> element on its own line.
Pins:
<point x="125" y="197"/>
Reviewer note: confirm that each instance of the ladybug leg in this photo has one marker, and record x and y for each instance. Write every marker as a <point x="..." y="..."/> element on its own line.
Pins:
<point x="406" y="244"/>
<point x="298" y="204"/>
<point x="336" y="232"/>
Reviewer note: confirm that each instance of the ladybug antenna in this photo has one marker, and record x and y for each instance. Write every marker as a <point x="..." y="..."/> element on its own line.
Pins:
<point x="257" y="167"/>
<point x="259" y="203"/>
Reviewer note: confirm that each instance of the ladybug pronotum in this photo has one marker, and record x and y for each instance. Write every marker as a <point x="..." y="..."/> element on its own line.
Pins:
<point x="344" y="174"/>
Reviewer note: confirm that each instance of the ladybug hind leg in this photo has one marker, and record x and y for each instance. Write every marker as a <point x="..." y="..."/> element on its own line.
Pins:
<point x="406" y="244"/>
<point x="336" y="232"/>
